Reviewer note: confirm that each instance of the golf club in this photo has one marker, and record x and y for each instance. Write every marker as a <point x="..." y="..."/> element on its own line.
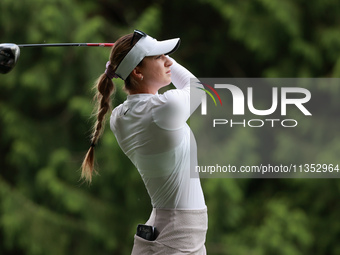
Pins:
<point x="10" y="52"/>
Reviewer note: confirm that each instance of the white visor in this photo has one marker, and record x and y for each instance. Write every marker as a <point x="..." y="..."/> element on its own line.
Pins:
<point x="146" y="46"/>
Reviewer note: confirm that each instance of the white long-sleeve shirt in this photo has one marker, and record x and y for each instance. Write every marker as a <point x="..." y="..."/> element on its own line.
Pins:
<point x="152" y="131"/>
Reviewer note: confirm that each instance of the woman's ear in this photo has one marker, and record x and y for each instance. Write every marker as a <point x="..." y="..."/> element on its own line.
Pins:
<point x="136" y="73"/>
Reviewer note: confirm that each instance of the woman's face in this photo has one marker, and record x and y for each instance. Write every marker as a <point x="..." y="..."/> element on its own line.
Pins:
<point x="156" y="71"/>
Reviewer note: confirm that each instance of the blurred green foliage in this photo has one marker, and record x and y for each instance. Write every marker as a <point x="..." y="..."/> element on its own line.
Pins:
<point x="45" y="109"/>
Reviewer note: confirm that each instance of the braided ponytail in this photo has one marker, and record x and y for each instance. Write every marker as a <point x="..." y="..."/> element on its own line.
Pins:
<point x="105" y="89"/>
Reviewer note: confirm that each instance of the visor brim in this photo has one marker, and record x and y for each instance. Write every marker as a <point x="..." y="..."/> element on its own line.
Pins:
<point x="165" y="47"/>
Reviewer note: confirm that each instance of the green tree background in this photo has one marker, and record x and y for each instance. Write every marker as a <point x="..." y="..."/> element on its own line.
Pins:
<point x="46" y="104"/>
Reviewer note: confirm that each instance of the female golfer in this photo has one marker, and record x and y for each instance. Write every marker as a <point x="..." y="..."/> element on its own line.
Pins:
<point x="151" y="129"/>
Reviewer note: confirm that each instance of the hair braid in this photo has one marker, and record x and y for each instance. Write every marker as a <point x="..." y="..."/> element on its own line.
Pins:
<point x="105" y="89"/>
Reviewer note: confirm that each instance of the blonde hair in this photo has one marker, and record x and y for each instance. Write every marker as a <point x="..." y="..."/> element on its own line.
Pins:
<point x="104" y="89"/>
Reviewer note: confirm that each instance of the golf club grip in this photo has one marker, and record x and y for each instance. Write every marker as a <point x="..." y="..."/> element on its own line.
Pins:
<point x="67" y="44"/>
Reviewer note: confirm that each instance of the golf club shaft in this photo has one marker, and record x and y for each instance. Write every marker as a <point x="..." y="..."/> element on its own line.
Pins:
<point x="67" y="44"/>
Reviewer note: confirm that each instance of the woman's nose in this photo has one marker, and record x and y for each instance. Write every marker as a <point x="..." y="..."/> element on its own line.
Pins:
<point x="168" y="61"/>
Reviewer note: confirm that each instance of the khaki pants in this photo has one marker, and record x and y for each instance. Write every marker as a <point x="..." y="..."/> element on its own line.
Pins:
<point x="180" y="232"/>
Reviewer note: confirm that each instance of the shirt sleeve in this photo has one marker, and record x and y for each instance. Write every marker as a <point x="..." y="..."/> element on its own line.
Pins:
<point x="175" y="106"/>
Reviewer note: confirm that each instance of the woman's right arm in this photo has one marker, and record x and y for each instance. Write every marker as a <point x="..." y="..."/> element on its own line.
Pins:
<point x="175" y="106"/>
<point x="188" y="85"/>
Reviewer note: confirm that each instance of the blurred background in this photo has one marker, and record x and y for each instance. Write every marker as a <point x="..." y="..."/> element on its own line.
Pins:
<point x="45" y="122"/>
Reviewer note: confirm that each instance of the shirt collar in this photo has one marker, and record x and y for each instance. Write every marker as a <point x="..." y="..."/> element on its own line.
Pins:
<point x="138" y="97"/>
